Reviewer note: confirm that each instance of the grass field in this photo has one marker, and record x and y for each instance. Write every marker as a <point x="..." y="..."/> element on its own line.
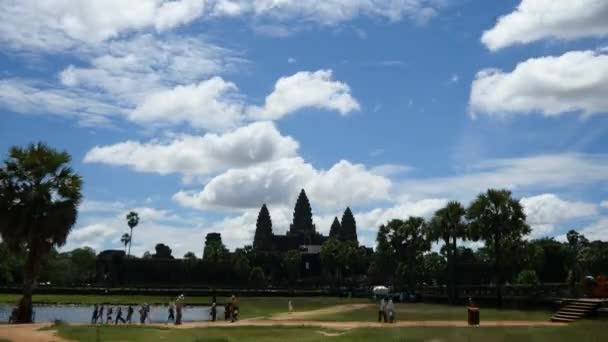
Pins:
<point x="580" y="332"/>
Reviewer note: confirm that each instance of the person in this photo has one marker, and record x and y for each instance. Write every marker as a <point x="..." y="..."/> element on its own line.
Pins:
<point x="129" y="314"/>
<point x="290" y="306"/>
<point x="147" y="306"/>
<point x="382" y="311"/>
<point x="171" y="317"/>
<point x="109" y="319"/>
<point x="213" y="311"/>
<point x="227" y="311"/>
<point x="178" y="319"/>
<point x="100" y="315"/>
<point x="95" y="314"/>
<point x="13" y="317"/>
<point x="119" y="316"/>
<point x="390" y="307"/>
<point x="235" y="314"/>
<point x="142" y="314"/>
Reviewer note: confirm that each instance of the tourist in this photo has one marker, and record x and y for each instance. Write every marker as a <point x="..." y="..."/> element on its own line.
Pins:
<point x="95" y="314"/>
<point x="119" y="316"/>
<point x="227" y="311"/>
<point x="382" y="311"/>
<point x="147" y="306"/>
<point x="109" y="318"/>
<point x="289" y="306"/>
<point x="142" y="314"/>
<point x="213" y="311"/>
<point x="178" y="319"/>
<point x="13" y="317"/>
<point x="129" y="314"/>
<point x="235" y="314"/>
<point x="100" y="315"/>
<point x="171" y="317"/>
<point x="390" y="307"/>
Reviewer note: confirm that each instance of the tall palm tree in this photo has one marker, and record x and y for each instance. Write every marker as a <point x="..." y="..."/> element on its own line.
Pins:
<point x="499" y="220"/>
<point x="448" y="225"/>
<point x="132" y="221"/>
<point x="125" y="239"/>
<point x="39" y="198"/>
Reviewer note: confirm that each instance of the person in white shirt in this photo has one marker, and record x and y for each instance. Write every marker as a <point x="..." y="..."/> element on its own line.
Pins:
<point x="382" y="311"/>
<point x="390" y="307"/>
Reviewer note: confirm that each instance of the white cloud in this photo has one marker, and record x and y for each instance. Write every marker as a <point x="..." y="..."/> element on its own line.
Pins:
<point x="534" y="20"/>
<point x="94" y="206"/>
<point x="547" y="211"/>
<point x="29" y="97"/>
<point x="210" y="105"/>
<point x="556" y="171"/>
<point x="61" y="24"/>
<point x="388" y="170"/>
<point x="291" y="60"/>
<point x="604" y="204"/>
<point x="199" y="155"/>
<point x="306" y="89"/>
<point x="574" y="82"/>
<point x="280" y="181"/>
<point x="372" y="219"/>
<point x="597" y="230"/>
<point x="454" y="79"/>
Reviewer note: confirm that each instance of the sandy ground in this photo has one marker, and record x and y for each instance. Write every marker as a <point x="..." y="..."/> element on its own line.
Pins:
<point x="32" y="332"/>
<point x="303" y="315"/>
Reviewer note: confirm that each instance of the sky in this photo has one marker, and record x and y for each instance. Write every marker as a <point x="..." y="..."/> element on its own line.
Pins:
<point x="196" y="112"/>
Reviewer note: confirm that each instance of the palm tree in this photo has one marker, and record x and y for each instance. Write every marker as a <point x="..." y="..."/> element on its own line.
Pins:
<point x="448" y="225"/>
<point x="499" y="220"/>
<point x="125" y="239"/>
<point x="132" y="221"/>
<point x="39" y="198"/>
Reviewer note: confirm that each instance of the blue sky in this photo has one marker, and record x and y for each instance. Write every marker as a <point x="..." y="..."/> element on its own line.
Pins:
<point x="195" y="112"/>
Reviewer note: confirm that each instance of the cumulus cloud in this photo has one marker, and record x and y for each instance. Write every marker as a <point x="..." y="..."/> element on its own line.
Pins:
<point x="207" y="104"/>
<point x="597" y="230"/>
<point x="547" y="211"/>
<point x="534" y="20"/>
<point x="199" y="155"/>
<point x="573" y="82"/>
<point x="280" y="182"/>
<point x="306" y="90"/>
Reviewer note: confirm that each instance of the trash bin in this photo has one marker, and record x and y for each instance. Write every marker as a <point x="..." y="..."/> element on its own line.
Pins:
<point x="473" y="316"/>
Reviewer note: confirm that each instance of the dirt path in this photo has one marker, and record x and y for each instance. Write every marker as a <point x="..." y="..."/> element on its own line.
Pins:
<point x="303" y="315"/>
<point x="29" y="333"/>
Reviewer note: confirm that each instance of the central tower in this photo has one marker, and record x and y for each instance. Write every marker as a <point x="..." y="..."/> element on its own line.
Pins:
<point x="302" y="225"/>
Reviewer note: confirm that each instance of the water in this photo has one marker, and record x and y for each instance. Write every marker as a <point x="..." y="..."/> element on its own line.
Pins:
<point x="83" y="313"/>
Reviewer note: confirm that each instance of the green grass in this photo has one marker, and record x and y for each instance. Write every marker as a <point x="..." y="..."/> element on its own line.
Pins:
<point x="3" y="340"/>
<point x="580" y="332"/>
<point x="429" y="312"/>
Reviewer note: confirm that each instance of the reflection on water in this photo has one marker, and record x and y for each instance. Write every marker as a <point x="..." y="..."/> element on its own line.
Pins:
<point x="83" y="313"/>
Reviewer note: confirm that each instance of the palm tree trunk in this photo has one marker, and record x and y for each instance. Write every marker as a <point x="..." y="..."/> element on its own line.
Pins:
<point x="454" y="266"/>
<point x="497" y="269"/>
<point x="30" y="272"/>
<point x="130" y="241"/>
<point x="450" y="272"/>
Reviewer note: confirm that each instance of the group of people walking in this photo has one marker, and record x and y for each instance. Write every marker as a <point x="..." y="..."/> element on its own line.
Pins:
<point x="175" y="313"/>
<point x="386" y="311"/>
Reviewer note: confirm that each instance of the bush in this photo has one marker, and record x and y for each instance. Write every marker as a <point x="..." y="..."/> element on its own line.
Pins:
<point x="257" y="278"/>
<point x="527" y="277"/>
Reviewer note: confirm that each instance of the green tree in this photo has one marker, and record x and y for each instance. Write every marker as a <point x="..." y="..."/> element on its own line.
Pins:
<point x="83" y="264"/>
<point x="190" y="256"/>
<point x="125" y="239"/>
<point x="291" y="264"/>
<point x="349" y="226"/>
<point x="240" y="265"/>
<point x="39" y="198"/>
<point x="262" y="239"/>
<point x="448" y="225"/>
<point x="408" y="240"/>
<point x="330" y="258"/>
<point x="434" y="268"/>
<point x="384" y="262"/>
<point x="499" y="220"/>
<point x="162" y="251"/>
<point x="335" y="230"/>
<point x="132" y="221"/>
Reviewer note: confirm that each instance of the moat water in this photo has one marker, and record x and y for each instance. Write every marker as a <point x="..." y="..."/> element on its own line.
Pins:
<point x="83" y="313"/>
